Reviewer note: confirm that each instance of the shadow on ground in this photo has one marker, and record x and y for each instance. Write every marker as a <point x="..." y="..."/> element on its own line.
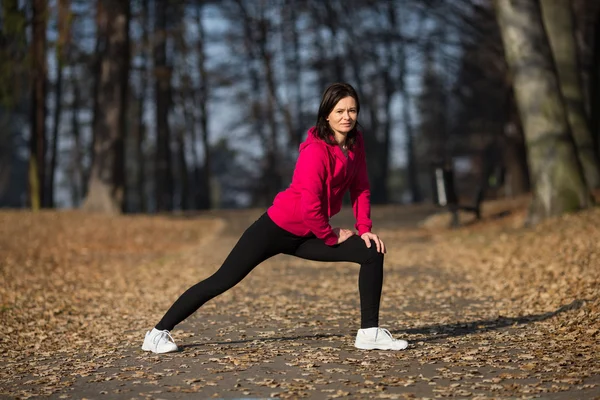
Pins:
<point x="441" y="331"/>
<point x="481" y="326"/>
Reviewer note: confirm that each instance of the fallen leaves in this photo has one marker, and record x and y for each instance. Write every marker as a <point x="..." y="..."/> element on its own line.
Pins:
<point x="490" y="310"/>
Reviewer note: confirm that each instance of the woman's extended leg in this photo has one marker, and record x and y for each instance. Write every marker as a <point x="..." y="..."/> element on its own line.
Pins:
<point x="263" y="239"/>
<point x="370" y="278"/>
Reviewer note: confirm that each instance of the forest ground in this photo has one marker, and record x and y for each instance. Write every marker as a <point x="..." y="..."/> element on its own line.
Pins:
<point x="491" y="309"/>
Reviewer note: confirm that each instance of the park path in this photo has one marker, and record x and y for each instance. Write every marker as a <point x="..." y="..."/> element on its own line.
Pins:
<point x="287" y="331"/>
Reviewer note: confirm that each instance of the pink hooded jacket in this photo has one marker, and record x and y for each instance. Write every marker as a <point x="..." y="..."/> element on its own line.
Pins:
<point x="322" y="176"/>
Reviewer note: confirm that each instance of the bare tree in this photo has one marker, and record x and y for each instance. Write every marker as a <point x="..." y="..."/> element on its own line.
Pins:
<point x="386" y="70"/>
<point x="556" y="175"/>
<point x="486" y="126"/>
<point x="204" y="200"/>
<point x="78" y="175"/>
<point x="257" y="29"/>
<point x="37" y="157"/>
<point x="15" y="100"/>
<point x="293" y="60"/>
<point x="182" y="89"/>
<point x="412" y="170"/>
<point x="587" y="20"/>
<point x="272" y="173"/>
<point x="97" y="58"/>
<point x="107" y="180"/>
<point x="190" y="188"/>
<point x="515" y="152"/>
<point x="62" y="51"/>
<point x="432" y="110"/>
<point x="164" y="188"/>
<point x="558" y="20"/>
<point x="140" y="131"/>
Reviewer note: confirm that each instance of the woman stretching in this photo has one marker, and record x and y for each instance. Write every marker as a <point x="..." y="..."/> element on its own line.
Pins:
<point x="331" y="162"/>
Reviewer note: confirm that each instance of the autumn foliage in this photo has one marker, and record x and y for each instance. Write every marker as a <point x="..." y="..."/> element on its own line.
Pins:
<point x="491" y="310"/>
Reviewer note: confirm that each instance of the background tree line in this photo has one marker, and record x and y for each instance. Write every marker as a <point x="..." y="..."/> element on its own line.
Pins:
<point x="152" y="106"/>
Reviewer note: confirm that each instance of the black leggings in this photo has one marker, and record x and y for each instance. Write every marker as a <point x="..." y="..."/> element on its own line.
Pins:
<point x="264" y="239"/>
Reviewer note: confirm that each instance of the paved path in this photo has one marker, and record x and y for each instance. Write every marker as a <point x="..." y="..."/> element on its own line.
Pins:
<point x="287" y="331"/>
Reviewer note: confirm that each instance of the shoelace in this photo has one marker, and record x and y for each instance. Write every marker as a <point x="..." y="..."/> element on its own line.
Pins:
<point x="386" y="332"/>
<point x="162" y="335"/>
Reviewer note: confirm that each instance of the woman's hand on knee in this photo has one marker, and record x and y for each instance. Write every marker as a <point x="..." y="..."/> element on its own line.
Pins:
<point x="342" y="234"/>
<point x="368" y="236"/>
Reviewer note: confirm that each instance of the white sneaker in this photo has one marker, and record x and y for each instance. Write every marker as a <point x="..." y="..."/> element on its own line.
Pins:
<point x="378" y="339"/>
<point x="159" y="342"/>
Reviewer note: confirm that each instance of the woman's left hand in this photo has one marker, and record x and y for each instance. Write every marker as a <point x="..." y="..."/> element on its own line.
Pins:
<point x="368" y="236"/>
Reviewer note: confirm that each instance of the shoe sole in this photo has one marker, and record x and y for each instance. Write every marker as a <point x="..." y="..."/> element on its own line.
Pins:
<point x="157" y="352"/>
<point x="377" y="347"/>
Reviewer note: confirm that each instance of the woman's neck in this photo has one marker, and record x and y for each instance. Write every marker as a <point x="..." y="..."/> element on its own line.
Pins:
<point x="340" y="139"/>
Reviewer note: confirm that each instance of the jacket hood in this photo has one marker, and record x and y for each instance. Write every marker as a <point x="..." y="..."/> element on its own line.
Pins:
<point x="311" y="138"/>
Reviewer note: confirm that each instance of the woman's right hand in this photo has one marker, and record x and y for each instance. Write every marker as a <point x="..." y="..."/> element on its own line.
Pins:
<point x="342" y="234"/>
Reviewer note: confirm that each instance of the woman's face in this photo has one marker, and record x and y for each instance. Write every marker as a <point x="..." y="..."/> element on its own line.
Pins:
<point x="343" y="116"/>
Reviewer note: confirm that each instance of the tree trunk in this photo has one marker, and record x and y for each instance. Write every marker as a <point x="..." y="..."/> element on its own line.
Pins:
<point x="595" y="87"/>
<point x="99" y="54"/>
<point x="323" y="75"/>
<point x="585" y="18"/>
<point x="140" y="134"/>
<point x="325" y="47"/>
<point x="411" y="159"/>
<point x="374" y="147"/>
<point x="205" y="199"/>
<point x="294" y="64"/>
<point x="331" y="20"/>
<point x="287" y="24"/>
<point x="140" y="182"/>
<point x="162" y="74"/>
<point x="386" y="127"/>
<point x="107" y="178"/>
<point x="558" y="20"/>
<point x="273" y="174"/>
<point x="256" y="45"/>
<point x="55" y="129"/>
<point x="556" y="175"/>
<point x="37" y="159"/>
<point x="412" y="169"/>
<point x="182" y="169"/>
<point x="64" y="25"/>
<point x="78" y="184"/>
<point x="515" y="153"/>
<point x="389" y="88"/>
<point x="189" y="116"/>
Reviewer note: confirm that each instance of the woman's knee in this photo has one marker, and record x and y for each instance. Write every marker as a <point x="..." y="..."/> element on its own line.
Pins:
<point x="373" y="255"/>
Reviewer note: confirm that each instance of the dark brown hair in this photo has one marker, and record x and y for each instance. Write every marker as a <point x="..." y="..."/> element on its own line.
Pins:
<point x="332" y="95"/>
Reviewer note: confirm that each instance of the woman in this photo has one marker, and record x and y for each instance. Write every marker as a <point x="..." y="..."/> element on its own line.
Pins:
<point x="331" y="162"/>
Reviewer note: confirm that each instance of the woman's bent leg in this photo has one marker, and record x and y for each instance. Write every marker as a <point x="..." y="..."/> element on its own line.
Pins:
<point x="370" y="278"/>
<point x="260" y="241"/>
